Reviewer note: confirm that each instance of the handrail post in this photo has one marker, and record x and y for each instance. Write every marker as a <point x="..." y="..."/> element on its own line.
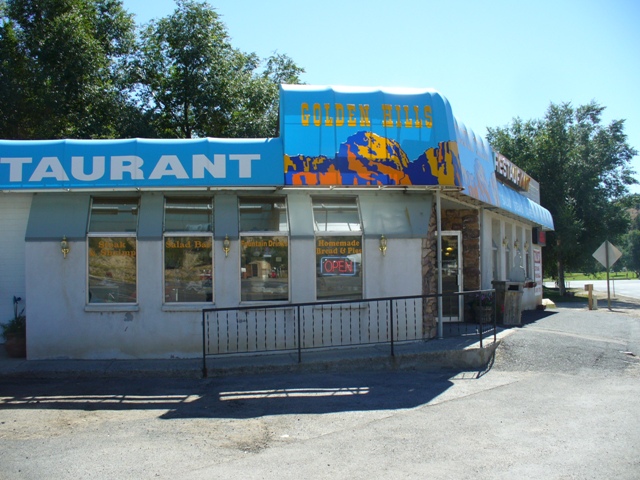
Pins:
<point x="391" y="325"/>
<point x="480" y="329"/>
<point x="204" y="347"/>
<point x="299" y="336"/>
<point x="495" y="318"/>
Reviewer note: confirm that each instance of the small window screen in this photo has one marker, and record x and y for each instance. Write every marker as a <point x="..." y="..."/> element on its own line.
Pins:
<point x="263" y="214"/>
<point x="114" y="215"/>
<point x="336" y="215"/>
<point x="188" y="215"/>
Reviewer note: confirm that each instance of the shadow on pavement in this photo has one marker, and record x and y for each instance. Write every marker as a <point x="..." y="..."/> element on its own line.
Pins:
<point x="532" y="316"/>
<point x="234" y="397"/>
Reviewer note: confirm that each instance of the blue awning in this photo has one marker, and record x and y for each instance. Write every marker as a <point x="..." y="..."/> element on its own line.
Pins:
<point x="521" y="206"/>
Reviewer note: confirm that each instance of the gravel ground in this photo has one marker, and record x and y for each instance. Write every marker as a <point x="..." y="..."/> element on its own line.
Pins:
<point x="560" y="401"/>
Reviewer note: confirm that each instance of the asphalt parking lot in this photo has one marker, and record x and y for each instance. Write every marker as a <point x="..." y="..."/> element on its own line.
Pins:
<point x="559" y="401"/>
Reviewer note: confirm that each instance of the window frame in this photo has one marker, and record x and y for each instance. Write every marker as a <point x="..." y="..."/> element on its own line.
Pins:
<point x="111" y="235"/>
<point x="348" y="232"/>
<point x="199" y="233"/>
<point x="255" y="233"/>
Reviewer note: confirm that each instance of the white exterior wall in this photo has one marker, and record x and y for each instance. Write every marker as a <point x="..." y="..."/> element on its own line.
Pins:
<point x="397" y="273"/>
<point x="61" y="325"/>
<point x="512" y="231"/>
<point x="65" y="327"/>
<point x="14" y="215"/>
<point x="486" y="249"/>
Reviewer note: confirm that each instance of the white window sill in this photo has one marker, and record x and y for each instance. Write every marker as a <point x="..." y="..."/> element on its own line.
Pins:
<point x="111" y="307"/>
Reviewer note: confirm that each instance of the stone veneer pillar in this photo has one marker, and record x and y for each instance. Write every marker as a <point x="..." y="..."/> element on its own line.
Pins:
<point x="430" y="279"/>
<point x="466" y="221"/>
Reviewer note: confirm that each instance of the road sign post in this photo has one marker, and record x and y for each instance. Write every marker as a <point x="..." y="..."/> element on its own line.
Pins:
<point x="607" y="254"/>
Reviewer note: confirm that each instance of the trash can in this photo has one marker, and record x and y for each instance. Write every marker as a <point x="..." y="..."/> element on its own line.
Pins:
<point x="513" y="304"/>
<point x="508" y="302"/>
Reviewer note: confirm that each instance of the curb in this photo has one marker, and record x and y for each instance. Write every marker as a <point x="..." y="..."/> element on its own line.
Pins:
<point x="471" y="357"/>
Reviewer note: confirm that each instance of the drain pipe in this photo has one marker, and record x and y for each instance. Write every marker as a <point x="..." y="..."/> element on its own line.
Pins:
<point x="439" y="262"/>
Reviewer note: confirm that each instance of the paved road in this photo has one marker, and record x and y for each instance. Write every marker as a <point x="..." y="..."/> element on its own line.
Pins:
<point x="560" y="402"/>
<point x="626" y="288"/>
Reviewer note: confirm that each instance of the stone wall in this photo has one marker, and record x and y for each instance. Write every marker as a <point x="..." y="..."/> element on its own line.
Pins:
<point x="430" y="279"/>
<point x="468" y="222"/>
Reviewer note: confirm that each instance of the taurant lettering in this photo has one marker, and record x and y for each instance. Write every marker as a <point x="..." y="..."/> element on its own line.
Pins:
<point x="121" y="167"/>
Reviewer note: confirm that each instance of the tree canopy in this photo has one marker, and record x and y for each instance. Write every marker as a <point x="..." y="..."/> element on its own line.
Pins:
<point x="61" y="67"/>
<point x="82" y="69"/>
<point x="583" y="168"/>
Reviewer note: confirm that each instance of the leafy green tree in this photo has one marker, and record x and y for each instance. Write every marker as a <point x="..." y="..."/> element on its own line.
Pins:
<point x="632" y="252"/>
<point x="193" y="83"/>
<point x="62" y="68"/>
<point x="256" y="114"/>
<point x="583" y="168"/>
<point x="631" y="241"/>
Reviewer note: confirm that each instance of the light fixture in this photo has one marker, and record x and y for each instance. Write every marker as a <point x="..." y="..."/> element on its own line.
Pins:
<point x="383" y="245"/>
<point x="505" y="242"/>
<point x="226" y="245"/>
<point x="526" y="245"/>
<point x="64" y="247"/>
<point x="516" y="244"/>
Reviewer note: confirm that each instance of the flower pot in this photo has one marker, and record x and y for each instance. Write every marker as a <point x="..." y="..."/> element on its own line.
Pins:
<point x="15" y="345"/>
<point x="483" y="314"/>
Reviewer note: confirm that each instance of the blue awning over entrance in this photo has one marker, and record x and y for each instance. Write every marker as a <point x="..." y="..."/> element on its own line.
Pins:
<point x="521" y="206"/>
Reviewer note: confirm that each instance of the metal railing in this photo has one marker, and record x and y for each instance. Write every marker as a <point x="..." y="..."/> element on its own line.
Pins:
<point x="293" y="327"/>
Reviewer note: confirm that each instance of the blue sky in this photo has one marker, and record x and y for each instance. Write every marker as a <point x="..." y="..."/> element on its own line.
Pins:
<point x="494" y="60"/>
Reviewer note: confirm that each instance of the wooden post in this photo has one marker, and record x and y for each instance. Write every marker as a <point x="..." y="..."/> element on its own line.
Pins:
<point x="589" y="288"/>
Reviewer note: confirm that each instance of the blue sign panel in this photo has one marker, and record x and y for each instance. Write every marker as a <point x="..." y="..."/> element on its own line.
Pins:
<point x="139" y="163"/>
<point x="360" y="136"/>
<point x="478" y="171"/>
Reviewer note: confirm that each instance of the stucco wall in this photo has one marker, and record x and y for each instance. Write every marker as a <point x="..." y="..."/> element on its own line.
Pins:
<point x="14" y="214"/>
<point x="62" y="326"/>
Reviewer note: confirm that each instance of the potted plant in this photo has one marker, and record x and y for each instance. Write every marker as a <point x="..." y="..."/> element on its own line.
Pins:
<point x="14" y="332"/>
<point x="483" y="306"/>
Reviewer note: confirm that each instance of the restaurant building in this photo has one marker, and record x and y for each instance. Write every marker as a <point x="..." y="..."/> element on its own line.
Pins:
<point x="116" y="246"/>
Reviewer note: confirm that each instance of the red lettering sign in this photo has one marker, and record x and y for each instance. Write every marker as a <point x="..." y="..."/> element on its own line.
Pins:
<point x="337" y="266"/>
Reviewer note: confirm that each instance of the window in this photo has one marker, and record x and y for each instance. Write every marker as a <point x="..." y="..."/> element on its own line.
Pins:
<point x="264" y="241"/>
<point x="338" y="248"/>
<point x="188" y="250"/>
<point x="112" y="250"/>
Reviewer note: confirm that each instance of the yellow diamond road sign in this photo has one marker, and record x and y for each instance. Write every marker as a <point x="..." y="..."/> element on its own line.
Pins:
<point x="607" y="254"/>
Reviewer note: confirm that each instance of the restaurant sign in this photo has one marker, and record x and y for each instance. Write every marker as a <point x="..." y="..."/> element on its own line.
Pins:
<point x="507" y="171"/>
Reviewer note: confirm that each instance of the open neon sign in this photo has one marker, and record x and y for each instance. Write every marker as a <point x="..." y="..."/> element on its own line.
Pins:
<point x="342" y="266"/>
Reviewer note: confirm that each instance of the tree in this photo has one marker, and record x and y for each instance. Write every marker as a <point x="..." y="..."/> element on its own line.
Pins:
<point x="632" y="252"/>
<point x="256" y="115"/>
<point x="62" y="68"/>
<point x="583" y="169"/>
<point x="193" y="83"/>
<point x="631" y="241"/>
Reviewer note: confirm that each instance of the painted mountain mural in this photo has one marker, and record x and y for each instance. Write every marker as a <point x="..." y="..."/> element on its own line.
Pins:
<point x="366" y="158"/>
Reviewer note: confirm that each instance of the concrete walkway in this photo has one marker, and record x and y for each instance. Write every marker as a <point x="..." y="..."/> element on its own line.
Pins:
<point x="461" y="352"/>
<point x="452" y="352"/>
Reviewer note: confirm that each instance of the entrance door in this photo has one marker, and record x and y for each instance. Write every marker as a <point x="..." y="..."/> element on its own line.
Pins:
<point x="452" y="306"/>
